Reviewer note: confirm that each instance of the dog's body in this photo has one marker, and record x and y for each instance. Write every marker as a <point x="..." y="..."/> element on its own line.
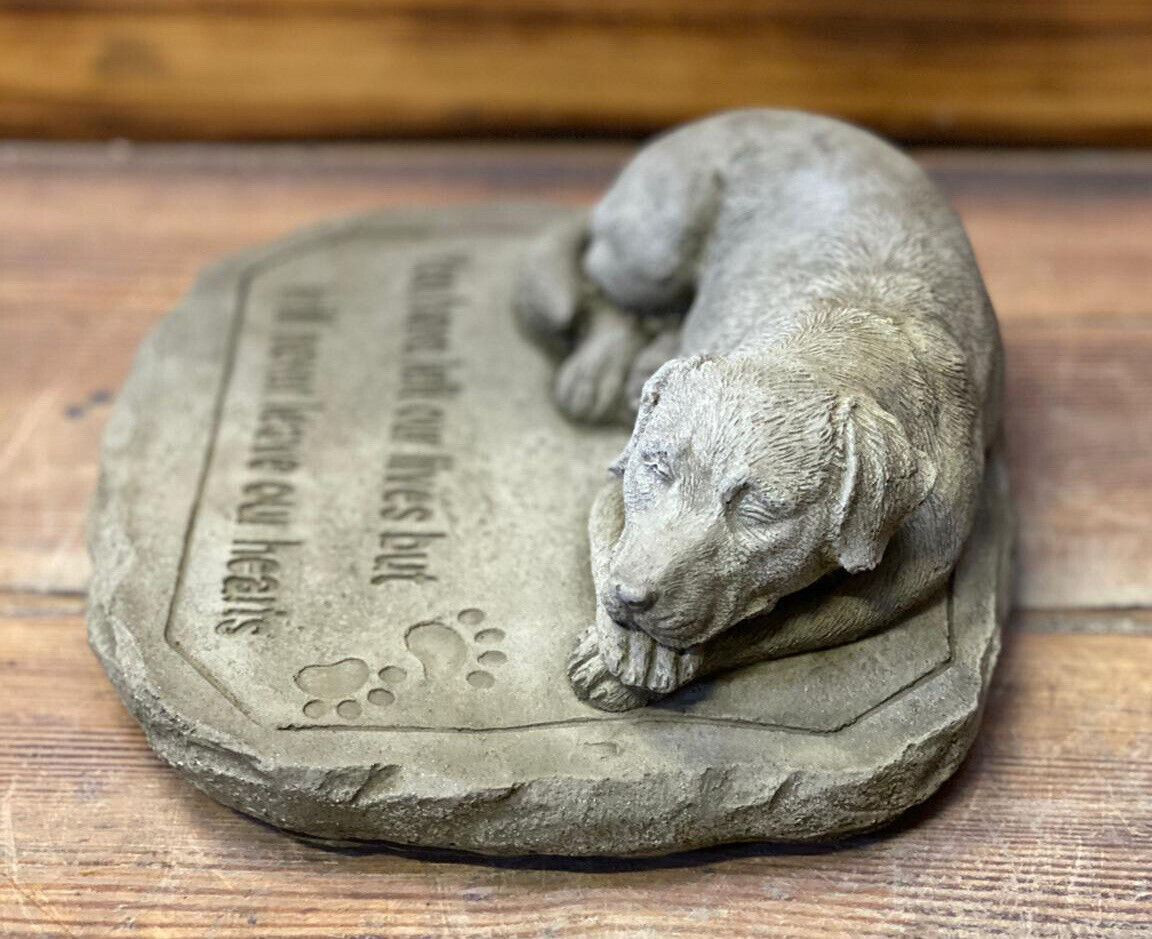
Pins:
<point x="819" y="390"/>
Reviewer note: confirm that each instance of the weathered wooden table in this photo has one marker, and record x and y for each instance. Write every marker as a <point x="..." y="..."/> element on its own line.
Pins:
<point x="1047" y="830"/>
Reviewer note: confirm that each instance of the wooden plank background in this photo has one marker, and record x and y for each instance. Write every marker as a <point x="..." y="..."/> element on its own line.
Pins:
<point x="1026" y="71"/>
<point x="1046" y="831"/>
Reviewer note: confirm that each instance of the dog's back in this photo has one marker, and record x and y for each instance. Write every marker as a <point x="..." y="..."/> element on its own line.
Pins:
<point x="763" y="223"/>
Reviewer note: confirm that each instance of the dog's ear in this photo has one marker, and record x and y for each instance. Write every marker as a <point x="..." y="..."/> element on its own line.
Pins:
<point x="883" y="479"/>
<point x="649" y="398"/>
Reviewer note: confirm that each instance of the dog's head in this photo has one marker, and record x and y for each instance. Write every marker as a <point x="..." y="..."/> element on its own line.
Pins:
<point x="743" y="483"/>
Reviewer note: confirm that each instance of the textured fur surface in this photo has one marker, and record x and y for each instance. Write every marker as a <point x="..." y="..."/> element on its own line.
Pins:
<point x="791" y="313"/>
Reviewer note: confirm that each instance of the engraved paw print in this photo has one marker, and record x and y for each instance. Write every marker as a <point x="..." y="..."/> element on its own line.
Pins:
<point x="334" y="688"/>
<point x="444" y="652"/>
<point x="331" y="688"/>
<point x="349" y="689"/>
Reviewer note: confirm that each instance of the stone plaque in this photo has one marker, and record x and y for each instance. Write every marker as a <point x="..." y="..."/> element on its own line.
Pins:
<point x="340" y="561"/>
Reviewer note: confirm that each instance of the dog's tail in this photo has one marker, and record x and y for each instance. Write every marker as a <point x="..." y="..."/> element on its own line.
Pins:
<point x="550" y="285"/>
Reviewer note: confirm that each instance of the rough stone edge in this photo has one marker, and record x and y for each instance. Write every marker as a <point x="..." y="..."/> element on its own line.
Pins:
<point x="328" y="804"/>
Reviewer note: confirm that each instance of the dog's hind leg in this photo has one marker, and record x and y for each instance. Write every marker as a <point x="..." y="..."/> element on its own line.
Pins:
<point x="592" y="383"/>
<point x="563" y="311"/>
<point x="648" y="233"/>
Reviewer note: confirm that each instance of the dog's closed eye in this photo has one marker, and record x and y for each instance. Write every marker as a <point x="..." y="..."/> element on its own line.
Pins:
<point x="733" y="492"/>
<point x="744" y="502"/>
<point x="756" y="512"/>
<point x="658" y="465"/>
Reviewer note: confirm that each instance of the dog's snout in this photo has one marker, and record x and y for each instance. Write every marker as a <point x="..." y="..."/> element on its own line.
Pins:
<point x="635" y="597"/>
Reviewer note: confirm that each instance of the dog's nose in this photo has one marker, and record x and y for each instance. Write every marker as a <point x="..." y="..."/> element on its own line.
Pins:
<point x="635" y="598"/>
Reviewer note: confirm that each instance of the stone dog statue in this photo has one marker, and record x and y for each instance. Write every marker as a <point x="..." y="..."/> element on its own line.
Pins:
<point x="792" y="313"/>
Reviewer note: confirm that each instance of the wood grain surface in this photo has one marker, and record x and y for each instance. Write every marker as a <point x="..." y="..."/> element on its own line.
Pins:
<point x="1046" y="831"/>
<point x="1028" y="71"/>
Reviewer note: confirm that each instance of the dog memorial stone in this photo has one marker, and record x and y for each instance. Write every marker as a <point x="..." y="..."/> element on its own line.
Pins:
<point x="341" y="563"/>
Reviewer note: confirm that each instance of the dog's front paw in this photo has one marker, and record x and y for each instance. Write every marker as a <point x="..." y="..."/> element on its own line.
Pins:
<point x="640" y="662"/>
<point x="594" y="683"/>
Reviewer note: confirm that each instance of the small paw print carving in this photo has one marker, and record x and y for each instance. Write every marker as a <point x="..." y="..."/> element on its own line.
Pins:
<point x="462" y="650"/>
<point x="444" y="652"/>
<point x="332" y="686"/>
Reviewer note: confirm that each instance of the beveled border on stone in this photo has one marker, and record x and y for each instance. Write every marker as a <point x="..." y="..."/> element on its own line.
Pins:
<point x="775" y="785"/>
